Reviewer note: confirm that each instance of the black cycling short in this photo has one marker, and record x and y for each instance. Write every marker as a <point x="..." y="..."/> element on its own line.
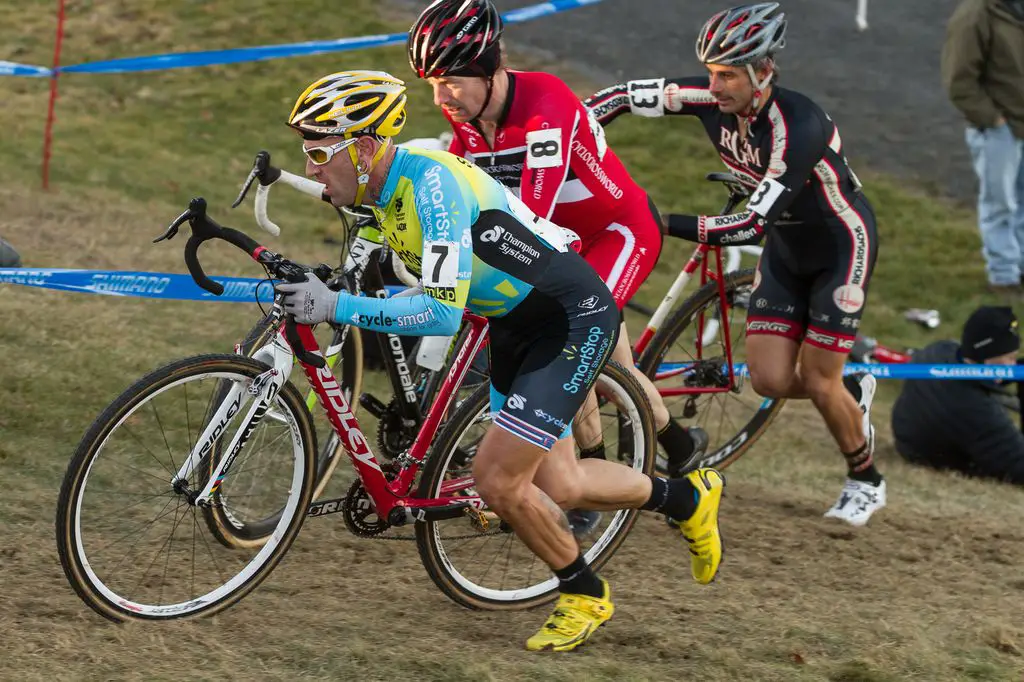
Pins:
<point x="546" y="352"/>
<point x="812" y="280"/>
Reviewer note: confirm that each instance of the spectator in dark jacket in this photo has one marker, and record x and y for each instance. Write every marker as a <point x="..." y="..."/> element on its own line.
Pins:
<point x="983" y="71"/>
<point x="961" y="424"/>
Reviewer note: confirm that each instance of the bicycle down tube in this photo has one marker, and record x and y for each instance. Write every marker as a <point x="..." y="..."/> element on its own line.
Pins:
<point x="393" y="496"/>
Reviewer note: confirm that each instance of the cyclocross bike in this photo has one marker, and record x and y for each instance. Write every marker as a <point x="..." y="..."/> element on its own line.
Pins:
<point x="129" y="525"/>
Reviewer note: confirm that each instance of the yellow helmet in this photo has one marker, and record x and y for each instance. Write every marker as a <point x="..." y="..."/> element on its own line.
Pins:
<point x="351" y="103"/>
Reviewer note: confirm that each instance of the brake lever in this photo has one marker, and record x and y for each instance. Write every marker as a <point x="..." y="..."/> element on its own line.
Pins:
<point x="172" y="229"/>
<point x="259" y="171"/>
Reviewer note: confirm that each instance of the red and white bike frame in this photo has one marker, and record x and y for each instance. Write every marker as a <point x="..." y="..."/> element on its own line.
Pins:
<point x="387" y="492"/>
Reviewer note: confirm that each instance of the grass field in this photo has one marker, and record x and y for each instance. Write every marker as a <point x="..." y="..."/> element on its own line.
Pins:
<point x="932" y="590"/>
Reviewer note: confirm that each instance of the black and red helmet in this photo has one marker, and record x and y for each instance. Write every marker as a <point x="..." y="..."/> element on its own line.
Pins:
<point x="456" y="38"/>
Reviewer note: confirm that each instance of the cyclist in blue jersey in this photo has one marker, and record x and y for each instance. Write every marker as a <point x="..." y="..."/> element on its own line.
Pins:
<point x="476" y="246"/>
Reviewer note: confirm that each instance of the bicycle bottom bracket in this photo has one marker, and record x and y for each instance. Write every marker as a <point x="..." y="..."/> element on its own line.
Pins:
<point x="359" y="513"/>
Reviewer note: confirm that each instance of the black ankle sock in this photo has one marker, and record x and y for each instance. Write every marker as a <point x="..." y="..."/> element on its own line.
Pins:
<point x="595" y="451"/>
<point x="579" y="578"/>
<point x="860" y="466"/>
<point x="676" y="441"/>
<point x="676" y="498"/>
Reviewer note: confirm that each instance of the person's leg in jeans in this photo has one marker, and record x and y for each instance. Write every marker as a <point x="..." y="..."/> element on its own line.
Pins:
<point x="1018" y="217"/>
<point x="997" y="157"/>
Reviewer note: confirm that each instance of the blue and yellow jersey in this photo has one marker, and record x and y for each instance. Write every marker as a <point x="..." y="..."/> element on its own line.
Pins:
<point x="473" y="244"/>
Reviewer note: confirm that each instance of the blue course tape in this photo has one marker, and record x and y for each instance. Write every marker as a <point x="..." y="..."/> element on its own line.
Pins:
<point x="14" y="69"/>
<point x="907" y="371"/>
<point x="165" y="285"/>
<point x="180" y="60"/>
<point x="173" y="286"/>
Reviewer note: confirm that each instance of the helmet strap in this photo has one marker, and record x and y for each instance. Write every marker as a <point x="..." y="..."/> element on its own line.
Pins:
<point x="364" y="173"/>
<point x="759" y="88"/>
<point x="487" y="99"/>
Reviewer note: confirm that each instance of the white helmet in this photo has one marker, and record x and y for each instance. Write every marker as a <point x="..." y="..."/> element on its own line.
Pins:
<point x="742" y="35"/>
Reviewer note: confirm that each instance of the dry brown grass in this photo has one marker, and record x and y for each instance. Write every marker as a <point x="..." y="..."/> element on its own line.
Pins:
<point x="931" y="590"/>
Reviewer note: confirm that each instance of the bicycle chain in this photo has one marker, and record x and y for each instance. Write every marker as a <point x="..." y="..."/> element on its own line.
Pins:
<point x="356" y="508"/>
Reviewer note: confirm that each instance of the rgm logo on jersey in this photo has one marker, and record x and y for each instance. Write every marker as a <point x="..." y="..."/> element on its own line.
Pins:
<point x="549" y="419"/>
<point x="849" y="298"/>
<point x="589" y="354"/>
<point x="740" y="148"/>
<point x="516" y="401"/>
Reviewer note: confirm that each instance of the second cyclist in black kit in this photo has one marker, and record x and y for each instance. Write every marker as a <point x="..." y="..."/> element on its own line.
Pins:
<point x="819" y="228"/>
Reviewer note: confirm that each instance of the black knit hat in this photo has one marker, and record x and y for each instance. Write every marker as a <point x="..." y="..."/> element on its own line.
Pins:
<point x="989" y="331"/>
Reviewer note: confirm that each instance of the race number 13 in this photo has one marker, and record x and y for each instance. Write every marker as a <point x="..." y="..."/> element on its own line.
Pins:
<point x="765" y="195"/>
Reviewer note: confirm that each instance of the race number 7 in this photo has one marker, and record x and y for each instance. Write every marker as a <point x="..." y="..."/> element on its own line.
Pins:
<point x="441" y="264"/>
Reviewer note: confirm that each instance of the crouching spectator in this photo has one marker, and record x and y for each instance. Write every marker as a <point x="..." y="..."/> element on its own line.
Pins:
<point x="966" y="425"/>
<point x="9" y="258"/>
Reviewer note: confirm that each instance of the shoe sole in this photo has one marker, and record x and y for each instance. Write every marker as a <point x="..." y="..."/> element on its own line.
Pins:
<point x="552" y="649"/>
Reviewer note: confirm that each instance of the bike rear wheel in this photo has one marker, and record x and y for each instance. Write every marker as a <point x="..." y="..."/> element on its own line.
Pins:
<point x="132" y="542"/>
<point x="734" y="419"/>
<point x="488" y="567"/>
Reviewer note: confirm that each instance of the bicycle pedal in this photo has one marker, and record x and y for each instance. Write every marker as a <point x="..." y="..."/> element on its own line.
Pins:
<point x="372" y="405"/>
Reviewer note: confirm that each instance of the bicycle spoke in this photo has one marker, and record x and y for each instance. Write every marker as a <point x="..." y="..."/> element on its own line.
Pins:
<point x="163" y="514"/>
<point x="152" y="404"/>
<point x="148" y="451"/>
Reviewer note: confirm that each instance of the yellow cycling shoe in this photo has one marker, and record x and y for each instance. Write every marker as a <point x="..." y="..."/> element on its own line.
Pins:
<point x="576" y="617"/>
<point x="701" y="529"/>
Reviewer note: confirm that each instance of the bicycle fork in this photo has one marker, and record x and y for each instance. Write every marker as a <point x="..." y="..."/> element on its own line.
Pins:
<point x="257" y="397"/>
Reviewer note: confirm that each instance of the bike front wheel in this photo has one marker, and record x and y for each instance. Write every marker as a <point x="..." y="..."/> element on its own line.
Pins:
<point x="477" y="560"/>
<point x="735" y="418"/>
<point x="131" y="540"/>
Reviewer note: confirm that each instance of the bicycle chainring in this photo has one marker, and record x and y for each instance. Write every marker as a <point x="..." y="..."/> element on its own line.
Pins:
<point x="393" y="437"/>
<point x="359" y="513"/>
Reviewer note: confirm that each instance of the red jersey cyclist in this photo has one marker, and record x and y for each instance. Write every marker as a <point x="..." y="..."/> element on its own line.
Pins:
<point x="530" y="132"/>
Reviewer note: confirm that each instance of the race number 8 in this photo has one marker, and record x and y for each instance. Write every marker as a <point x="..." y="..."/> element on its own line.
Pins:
<point x="544" y="148"/>
<point x="440" y="264"/>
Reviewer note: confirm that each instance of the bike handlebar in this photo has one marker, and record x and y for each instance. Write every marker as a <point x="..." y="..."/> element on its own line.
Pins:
<point x="205" y="228"/>
<point x="267" y="175"/>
